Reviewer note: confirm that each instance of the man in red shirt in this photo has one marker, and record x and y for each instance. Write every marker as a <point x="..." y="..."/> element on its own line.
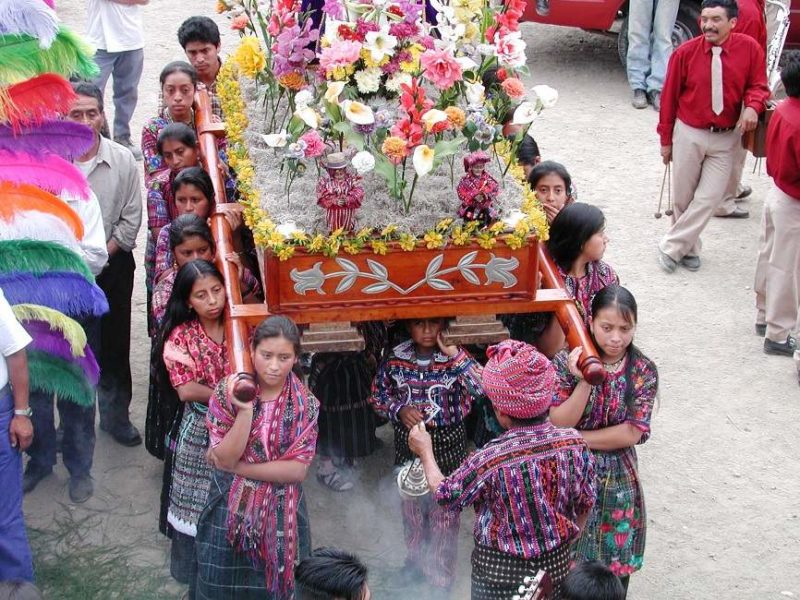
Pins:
<point x="716" y="86"/>
<point x="777" y="284"/>
<point x="752" y="22"/>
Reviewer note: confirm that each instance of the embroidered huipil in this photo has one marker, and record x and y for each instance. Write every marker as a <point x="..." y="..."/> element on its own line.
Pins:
<point x="528" y="487"/>
<point x="330" y="191"/>
<point x="599" y="274"/>
<point x="450" y="384"/>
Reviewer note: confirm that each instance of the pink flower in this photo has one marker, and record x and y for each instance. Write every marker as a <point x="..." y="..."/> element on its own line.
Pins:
<point x="441" y="68"/>
<point x="314" y="145"/>
<point x="513" y="87"/>
<point x="403" y="29"/>
<point x="239" y="23"/>
<point x="339" y="54"/>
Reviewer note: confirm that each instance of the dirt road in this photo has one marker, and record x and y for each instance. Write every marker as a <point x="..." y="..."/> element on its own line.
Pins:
<point x="721" y="469"/>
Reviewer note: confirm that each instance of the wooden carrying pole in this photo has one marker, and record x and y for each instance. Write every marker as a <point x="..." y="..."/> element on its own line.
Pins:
<point x="236" y="334"/>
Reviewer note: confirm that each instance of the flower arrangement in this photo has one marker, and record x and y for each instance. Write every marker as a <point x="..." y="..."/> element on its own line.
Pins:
<point x="401" y="96"/>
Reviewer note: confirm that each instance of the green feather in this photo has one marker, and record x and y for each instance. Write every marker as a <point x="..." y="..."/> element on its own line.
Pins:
<point x="58" y="321"/>
<point x="37" y="257"/>
<point x="53" y="375"/>
<point x="21" y="57"/>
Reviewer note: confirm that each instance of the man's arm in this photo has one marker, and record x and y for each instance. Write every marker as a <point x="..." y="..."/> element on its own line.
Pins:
<point x="670" y="93"/>
<point x="126" y="229"/>
<point x="21" y="429"/>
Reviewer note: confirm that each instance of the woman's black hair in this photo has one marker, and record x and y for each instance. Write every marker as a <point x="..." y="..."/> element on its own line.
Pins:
<point x="550" y="167"/>
<point x="188" y="226"/>
<point x="528" y="151"/>
<point x="177" y="132"/>
<point x="278" y="326"/>
<point x="620" y="298"/>
<point x="178" y="66"/>
<point x="197" y="177"/>
<point x="573" y="226"/>
<point x="329" y="573"/>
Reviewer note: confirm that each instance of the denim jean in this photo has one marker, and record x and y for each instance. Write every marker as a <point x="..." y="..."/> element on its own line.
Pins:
<point x="126" y="69"/>
<point x="650" y="24"/>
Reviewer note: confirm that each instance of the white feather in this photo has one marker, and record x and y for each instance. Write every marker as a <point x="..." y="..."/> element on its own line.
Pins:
<point x="43" y="227"/>
<point x="31" y="17"/>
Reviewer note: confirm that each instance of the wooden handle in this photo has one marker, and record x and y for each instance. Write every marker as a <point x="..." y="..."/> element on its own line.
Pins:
<point x="572" y="323"/>
<point x="236" y="334"/>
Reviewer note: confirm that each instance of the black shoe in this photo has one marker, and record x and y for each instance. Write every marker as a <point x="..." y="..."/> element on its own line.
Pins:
<point x="746" y="191"/>
<point x="691" y="263"/>
<point x="761" y="329"/>
<point x="81" y="488"/>
<point x="654" y="98"/>
<point x="125" y="435"/>
<point x="736" y="213"/>
<point x="639" y="99"/>
<point x="786" y="348"/>
<point x="32" y="477"/>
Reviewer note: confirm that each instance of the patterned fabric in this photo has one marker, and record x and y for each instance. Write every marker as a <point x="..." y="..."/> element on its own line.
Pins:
<point x="449" y="384"/>
<point x="477" y="195"/>
<point x="518" y="379"/>
<point x="431" y="532"/>
<point x="528" y="486"/>
<point x="615" y="533"/>
<point x="262" y="516"/>
<point x="191" y="356"/>
<point x="598" y="275"/>
<point x="349" y="191"/>
<point x="497" y="575"/>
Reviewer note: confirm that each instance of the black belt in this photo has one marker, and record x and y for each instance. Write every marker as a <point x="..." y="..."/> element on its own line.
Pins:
<point x="721" y="129"/>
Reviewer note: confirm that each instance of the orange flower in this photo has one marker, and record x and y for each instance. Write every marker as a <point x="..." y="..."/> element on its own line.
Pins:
<point x="456" y="116"/>
<point x="395" y="149"/>
<point x="292" y="81"/>
<point x="513" y="87"/>
<point x="221" y="7"/>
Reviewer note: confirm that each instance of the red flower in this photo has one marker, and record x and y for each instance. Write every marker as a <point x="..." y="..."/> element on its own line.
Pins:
<point x="502" y="74"/>
<point x="396" y="10"/>
<point x="347" y="33"/>
<point x="408" y="130"/>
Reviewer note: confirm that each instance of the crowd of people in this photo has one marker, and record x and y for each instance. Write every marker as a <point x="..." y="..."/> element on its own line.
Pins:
<point x="553" y="479"/>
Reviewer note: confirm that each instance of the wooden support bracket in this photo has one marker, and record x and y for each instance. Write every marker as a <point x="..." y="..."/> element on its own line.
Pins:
<point x="332" y="337"/>
<point x="475" y="329"/>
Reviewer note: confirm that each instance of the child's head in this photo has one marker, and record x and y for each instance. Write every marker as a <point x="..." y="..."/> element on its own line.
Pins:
<point x="193" y="192"/>
<point x="424" y="332"/>
<point x="200" y="40"/>
<point x="178" y="82"/>
<point x="528" y="155"/>
<point x="790" y="73"/>
<point x="199" y="290"/>
<point x="614" y="318"/>
<point x="552" y="183"/>
<point x="19" y="590"/>
<point x="592" y="581"/>
<point x="276" y="348"/>
<point x="177" y="145"/>
<point x="578" y="231"/>
<point x="331" y="574"/>
<point x="190" y="239"/>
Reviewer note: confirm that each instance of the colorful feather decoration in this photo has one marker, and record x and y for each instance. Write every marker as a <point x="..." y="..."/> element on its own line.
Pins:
<point x="21" y="57"/>
<point x="37" y="257"/>
<point x="32" y="17"/>
<point x="57" y="321"/>
<point x="53" y="375"/>
<point x="47" y="171"/>
<point x="66" y="292"/>
<point x="63" y="138"/>
<point x="16" y="199"/>
<point x="44" y="97"/>
<point x="35" y="225"/>
<point x="52" y="342"/>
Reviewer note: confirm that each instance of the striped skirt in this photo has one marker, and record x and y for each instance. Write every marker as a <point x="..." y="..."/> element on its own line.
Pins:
<point x="449" y="446"/>
<point x="497" y="575"/>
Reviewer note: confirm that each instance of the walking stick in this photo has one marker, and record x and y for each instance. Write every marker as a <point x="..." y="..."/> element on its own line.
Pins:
<point x="665" y="181"/>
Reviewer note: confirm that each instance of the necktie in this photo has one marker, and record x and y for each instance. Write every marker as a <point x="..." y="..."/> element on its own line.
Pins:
<point x="716" y="80"/>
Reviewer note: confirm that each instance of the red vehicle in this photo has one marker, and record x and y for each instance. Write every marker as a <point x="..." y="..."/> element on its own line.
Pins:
<point x="611" y="16"/>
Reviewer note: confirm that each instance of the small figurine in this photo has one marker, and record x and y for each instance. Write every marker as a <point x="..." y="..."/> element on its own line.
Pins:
<point x="339" y="193"/>
<point x="477" y="190"/>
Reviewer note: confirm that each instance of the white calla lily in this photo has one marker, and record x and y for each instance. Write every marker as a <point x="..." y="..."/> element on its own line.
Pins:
<point x="466" y="63"/>
<point x="547" y="96"/>
<point x="308" y="115"/>
<point x="358" y="112"/>
<point x="423" y="159"/>
<point x="525" y="113"/>
<point x="276" y="140"/>
<point x="335" y="89"/>
<point x="432" y="117"/>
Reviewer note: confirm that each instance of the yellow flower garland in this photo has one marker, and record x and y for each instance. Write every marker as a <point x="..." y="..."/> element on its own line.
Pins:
<point x="264" y="230"/>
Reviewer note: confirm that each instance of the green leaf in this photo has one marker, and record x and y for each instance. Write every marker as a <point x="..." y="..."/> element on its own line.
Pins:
<point x="342" y="127"/>
<point x="295" y="127"/>
<point x="445" y="148"/>
<point x="354" y="138"/>
<point x="470" y="128"/>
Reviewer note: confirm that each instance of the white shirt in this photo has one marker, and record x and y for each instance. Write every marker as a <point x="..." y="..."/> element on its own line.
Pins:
<point x="93" y="245"/>
<point x="13" y="338"/>
<point x="114" y="27"/>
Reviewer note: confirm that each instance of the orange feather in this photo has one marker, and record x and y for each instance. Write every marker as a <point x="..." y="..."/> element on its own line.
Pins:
<point x="15" y="199"/>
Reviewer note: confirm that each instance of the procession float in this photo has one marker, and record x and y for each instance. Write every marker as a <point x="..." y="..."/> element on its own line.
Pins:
<point x="374" y="144"/>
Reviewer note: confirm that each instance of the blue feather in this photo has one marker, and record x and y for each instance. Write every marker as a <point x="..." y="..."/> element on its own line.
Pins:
<point x="68" y="293"/>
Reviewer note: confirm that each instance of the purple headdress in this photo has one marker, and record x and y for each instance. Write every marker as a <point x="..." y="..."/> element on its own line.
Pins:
<point x="68" y="293"/>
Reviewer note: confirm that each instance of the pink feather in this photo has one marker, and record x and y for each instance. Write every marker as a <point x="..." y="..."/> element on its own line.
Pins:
<point x="47" y="171"/>
<point x="64" y="138"/>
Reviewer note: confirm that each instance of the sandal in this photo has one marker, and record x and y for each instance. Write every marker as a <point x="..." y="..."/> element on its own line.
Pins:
<point x="334" y="481"/>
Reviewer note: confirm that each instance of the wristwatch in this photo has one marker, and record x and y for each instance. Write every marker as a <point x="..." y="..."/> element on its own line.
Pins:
<point x="23" y="412"/>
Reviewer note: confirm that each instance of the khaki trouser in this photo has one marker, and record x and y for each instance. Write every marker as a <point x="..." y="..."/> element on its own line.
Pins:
<point x="777" y="283"/>
<point x="734" y="183"/>
<point x="701" y="169"/>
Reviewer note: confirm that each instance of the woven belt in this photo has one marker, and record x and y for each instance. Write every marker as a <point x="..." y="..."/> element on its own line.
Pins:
<point x="721" y="129"/>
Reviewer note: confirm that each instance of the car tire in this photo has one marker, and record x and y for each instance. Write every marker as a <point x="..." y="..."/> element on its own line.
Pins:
<point x="686" y="27"/>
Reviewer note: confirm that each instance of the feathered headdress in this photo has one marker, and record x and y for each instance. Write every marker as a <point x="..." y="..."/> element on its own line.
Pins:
<point x="32" y="101"/>
<point x="64" y="138"/>
<point x="68" y="293"/>
<point x="21" y="57"/>
<point x="47" y="171"/>
<point x="31" y="17"/>
<point x="52" y="375"/>
<point x="35" y="225"/>
<point x="37" y="257"/>
<point x="52" y="342"/>
<point x="57" y="321"/>
<point x="18" y="199"/>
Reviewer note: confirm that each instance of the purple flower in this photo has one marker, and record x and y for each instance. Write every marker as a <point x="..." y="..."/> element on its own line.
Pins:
<point x="335" y="10"/>
<point x="367" y="129"/>
<point x="383" y="118"/>
<point x="291" y="49"/>
<point x="410" y="9"/>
